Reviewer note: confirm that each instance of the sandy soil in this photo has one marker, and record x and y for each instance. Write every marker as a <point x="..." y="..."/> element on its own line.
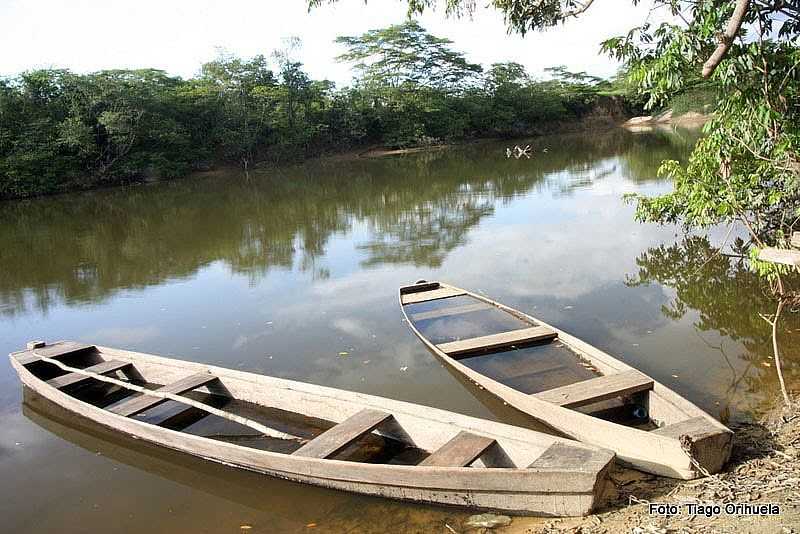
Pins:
<point x="764" y="468"/>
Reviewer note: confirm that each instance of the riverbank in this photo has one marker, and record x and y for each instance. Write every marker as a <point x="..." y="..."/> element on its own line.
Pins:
<point x="668" y="118"/>
<point x="603" y="119"/>
<point x="764" y="469"/>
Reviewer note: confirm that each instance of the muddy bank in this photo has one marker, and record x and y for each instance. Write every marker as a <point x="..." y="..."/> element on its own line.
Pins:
<point x="764" y="470"/>
<point x="666" y="118"/>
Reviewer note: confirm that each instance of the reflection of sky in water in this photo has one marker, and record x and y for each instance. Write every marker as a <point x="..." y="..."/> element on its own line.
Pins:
<point x="295" y="274"/>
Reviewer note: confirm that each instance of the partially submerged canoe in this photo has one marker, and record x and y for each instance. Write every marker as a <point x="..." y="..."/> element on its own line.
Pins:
<point x="568" y="385"/>
<point x="401" y="450"/>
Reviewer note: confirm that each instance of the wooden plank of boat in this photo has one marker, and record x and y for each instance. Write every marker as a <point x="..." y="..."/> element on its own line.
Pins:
<point x="597" y="389"/>
<point x="498" y="341"/>
<point x="56" y="350"/>
<point x="102" y="368"/>
<point x="421" y="286"/>
<point x="448" y="312"/>
<point x="662" y="452"/>
<point x="142" y="403"/>
<point x="339" y="437"/>
<point x="434" y="294"/>
<point x="514" y="487"/>
<point x="460" y="451"/>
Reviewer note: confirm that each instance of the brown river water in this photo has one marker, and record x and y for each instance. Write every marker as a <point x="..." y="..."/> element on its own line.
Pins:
<point x="294" y="273"/>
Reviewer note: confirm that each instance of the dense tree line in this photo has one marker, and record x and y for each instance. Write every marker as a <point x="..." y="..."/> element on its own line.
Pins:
<point x="61" y="130"/>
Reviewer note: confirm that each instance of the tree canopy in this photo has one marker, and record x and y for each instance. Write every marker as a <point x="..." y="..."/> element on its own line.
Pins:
<point x="406" y="54"/>
<point x="62" y="131"/>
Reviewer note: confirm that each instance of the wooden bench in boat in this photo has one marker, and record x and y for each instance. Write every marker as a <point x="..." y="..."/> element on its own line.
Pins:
<point x="597" y="389"/>
<point x="498" y="341"/>
<point x="144" y="402"/>
<point x="449" y="312"/>
<point x="103" y="368"/>
<point x="433" y="294"/>
<point x="60" y="350"/>
<point x="460" y="451"/>
<point x="339" y="437"/>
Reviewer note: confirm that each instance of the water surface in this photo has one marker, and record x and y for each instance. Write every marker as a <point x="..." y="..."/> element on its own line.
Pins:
<point x="294" y="273"/>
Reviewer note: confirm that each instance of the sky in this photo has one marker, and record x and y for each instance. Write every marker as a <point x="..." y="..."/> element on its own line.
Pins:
<point x="179" y="35"/>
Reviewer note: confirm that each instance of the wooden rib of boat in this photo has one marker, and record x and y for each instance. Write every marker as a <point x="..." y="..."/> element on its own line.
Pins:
<point x="591" y="396"/>
<point x="446" y="458"/>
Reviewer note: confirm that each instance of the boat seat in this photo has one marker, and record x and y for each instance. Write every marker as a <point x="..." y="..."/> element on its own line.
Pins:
<point x="102" y="368"/>
<point x="54" y="350"/>
<point x="460" y="451"/>
<point x="498" y="341"/>
<point x="418" y="287"/>
<point x="145" y="402"/>
<point x="564" y="456"/>
<point x="335" y="439"/>
<point x="433" y="294"/>
<point x="597" y="389"/>
<point x="451" y="311"/>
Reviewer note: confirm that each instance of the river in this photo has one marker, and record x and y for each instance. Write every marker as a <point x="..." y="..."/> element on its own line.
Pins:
<point x="294" y="273"/>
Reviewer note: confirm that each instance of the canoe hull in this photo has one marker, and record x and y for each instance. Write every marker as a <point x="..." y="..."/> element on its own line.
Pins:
<point x="514" y="491"/>
<point x="703" y="449"/>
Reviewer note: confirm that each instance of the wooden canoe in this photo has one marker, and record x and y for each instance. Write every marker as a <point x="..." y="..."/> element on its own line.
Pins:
<point x="455" y="459"/>
<point x="590" y="396"/>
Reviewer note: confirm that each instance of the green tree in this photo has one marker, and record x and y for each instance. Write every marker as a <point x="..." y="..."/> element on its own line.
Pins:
<point x="406" y="54"/>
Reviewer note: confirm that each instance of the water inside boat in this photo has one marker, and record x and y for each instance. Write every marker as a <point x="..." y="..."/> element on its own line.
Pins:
<point x="529" y="368"/>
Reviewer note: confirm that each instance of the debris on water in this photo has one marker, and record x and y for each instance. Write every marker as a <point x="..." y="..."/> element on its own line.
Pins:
<point x="674" y="376"/>
<point x="367" y="361"/>
<point x="245" y="527"/>
<point x="448" y="527"/>
<point x="311" y="525"/>
<point x="487" y="521"/>
<point x="344" y="353"/>
<point x="567" y="307"/>
<point x="635" y="344"/>
<point x="405" y="368"/>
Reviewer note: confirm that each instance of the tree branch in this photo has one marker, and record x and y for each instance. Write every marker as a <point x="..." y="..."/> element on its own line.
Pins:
<point x="578" y="10"/>
<point x="726" y="39"/>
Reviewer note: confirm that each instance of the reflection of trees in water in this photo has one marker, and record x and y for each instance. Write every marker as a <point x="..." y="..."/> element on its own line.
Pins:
<point x="82" y="248"/>
<point x="728" y="299"/>
<point x="425" y="234"/>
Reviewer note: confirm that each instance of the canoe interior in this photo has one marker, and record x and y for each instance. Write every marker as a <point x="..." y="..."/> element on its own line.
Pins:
<point x="370" y="448"/>
<point x="530" y="367"/>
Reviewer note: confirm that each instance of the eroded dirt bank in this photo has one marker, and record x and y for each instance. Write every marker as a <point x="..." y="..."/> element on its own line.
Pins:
<point x="764" y="469"/>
